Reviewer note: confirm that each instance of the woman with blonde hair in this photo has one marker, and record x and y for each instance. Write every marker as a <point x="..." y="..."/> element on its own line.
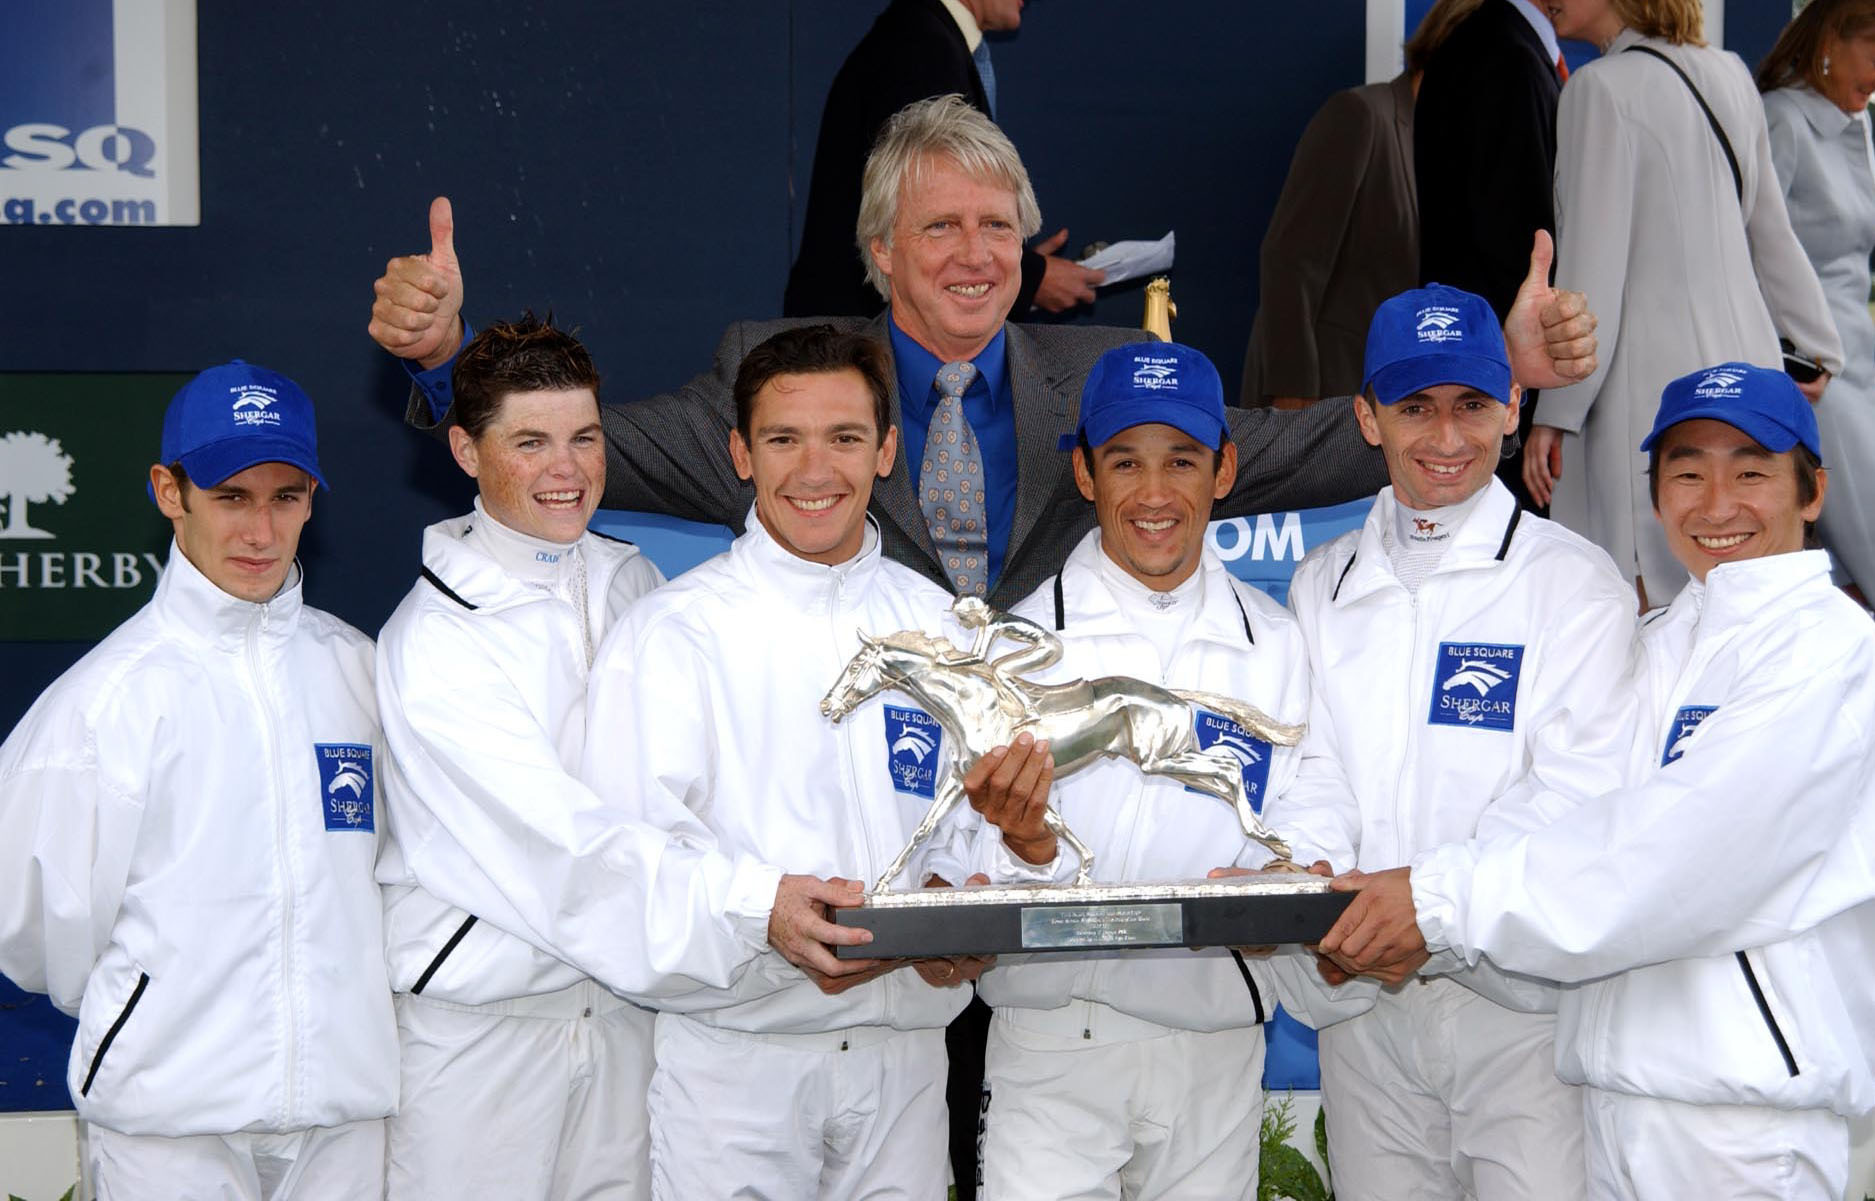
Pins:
<point x="1671" y="219"/>
<point x="1816" y="83"/>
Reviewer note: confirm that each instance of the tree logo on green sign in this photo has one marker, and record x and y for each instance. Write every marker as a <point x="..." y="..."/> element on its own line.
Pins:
<point x="34" y="469"/>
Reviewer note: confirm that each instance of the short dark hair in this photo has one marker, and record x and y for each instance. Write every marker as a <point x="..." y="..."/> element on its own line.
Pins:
<point x="528" y="355"/>
<point x="1801" y="456"/>
<point x="815" y="350"/>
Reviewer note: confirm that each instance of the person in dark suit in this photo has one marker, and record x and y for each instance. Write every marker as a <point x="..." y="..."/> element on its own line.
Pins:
<point x="1343" y="238"/>
<point x="915" y="50"/>
<point x="1484" y="154"/>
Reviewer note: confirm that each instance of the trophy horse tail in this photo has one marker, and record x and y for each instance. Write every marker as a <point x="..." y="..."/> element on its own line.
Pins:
<point x="1159" y="309"/>
<point x="1251" y="718"/>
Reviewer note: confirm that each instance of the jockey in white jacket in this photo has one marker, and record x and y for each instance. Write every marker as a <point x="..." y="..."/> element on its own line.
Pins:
<point x="508" y="882"/>
<point x="1157" y="1054"/>
<point x="708" y="691"/>
<point x="1471" y="671"/>
<point x="188" y="823"/>
<point x="1719" y="911"/>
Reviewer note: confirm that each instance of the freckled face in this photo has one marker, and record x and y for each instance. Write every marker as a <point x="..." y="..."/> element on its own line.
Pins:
<point x="540" y="464"/>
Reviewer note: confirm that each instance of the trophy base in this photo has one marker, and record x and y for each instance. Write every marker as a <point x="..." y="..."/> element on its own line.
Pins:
<point x="991" y="919"/>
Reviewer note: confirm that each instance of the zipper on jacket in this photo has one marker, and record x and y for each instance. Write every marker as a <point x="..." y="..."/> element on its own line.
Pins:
<point x="1764" y="1011"/>
<point x="110" y="1036"/>
<point x="282" y="836"/>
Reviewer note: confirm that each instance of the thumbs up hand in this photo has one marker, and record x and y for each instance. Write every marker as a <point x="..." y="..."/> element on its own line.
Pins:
<point x="418" y="310"/>
<point x="1550" y="334"/>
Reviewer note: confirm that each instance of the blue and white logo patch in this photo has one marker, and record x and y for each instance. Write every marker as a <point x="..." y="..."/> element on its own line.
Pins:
<point x="1474" y="684"/>
<point x="914" y="743"/>
<point x="1251" y="753"/>
<point x="345" y="785"/>
<point x="1684" y="723"/>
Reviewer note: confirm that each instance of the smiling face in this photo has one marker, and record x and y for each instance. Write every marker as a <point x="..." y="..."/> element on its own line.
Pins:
<point x="1722" y="498"/>
<point x="242" y="533"/>
<point x="539" y="463"/>
<point x="1152" y="488"/>
<point x="1441" y="444"/>
<point x="813" y="451"/>
<point x="955" y="261"/>
<point x="1851" y="78"/>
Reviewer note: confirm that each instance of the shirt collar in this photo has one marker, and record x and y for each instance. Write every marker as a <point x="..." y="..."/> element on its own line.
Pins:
<point x="1481" y="539"/>
<point x="914" y="363"/>
<point x="1822" y="113"/>
<point x="966" y="21"/>
<point x="1539" y="21"/>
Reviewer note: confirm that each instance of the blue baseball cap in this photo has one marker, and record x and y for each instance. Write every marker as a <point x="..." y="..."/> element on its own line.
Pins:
<point x="1147" y="383"/>
<point x="231" y="417"/>
<point x="1435" y="335"/>
<point x="1759" y="401"/>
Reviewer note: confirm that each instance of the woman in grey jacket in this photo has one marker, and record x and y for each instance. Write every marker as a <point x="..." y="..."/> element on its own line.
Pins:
<point x="1684" y="263"/>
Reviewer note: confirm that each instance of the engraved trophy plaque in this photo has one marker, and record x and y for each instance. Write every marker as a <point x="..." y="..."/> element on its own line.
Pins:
<point x="983" y="703"/>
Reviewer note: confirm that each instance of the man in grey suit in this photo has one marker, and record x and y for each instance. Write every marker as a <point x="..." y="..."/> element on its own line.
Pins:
<point x="946" y="206"/>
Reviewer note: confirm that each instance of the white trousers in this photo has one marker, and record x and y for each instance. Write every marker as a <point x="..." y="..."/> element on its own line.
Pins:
<point x="854" y="1113"/>
<point x="1437" y="1093"/>
<point x="1078" y="1119"/>
<point x="321" y="1163"/>
<point x="529" y="1100"/>
<point x="1645" y="1149"/>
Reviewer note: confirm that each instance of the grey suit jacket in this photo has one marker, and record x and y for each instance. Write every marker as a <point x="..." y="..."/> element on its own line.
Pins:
<point x="670" y="453"/>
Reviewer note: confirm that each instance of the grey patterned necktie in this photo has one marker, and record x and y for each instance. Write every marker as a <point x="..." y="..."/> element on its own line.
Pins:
<point x="950" y="486"/>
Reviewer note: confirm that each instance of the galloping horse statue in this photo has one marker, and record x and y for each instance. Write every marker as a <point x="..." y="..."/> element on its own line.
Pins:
<point x="982" y="707"/>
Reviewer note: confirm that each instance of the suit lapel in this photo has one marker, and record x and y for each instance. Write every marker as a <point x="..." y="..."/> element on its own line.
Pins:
<point x="1043" y="413"/>
<point x="895" y="498"/>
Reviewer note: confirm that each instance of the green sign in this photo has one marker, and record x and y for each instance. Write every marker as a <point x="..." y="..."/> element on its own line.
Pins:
<point x="81" y="544"/>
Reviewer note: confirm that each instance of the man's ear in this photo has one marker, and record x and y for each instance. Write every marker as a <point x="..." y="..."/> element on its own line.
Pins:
<point x="1368" y="420"/>
<point x="1083" y="474"/>
<point x="739" y="456"/>
<point x="463" y="447"/>
<point x="888" y="452"/>
<point x="1513" y="409"/>
<point x="1226" y="470"/>
<point x="168" y="492"/>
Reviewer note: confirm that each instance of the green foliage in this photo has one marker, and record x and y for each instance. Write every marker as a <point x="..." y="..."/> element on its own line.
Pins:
<point x="1285" y="1172"/>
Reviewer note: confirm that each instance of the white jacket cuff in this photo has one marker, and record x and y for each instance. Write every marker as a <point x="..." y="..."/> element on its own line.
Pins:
<point x="1007" y="867"/>
<point x="751" y="900"/>
<point x="1441" y="889"/>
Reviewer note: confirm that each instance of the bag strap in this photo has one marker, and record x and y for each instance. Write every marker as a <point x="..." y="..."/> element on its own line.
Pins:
<point x="1718" y="131"/>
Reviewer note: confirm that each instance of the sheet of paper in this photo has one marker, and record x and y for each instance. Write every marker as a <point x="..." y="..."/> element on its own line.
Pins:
<point x="1130" y="260"/>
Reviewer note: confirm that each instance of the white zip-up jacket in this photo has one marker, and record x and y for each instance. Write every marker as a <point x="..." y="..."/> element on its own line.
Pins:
<point x="506" y="876"/>
<point x="186" y="866"/>
<point x="1720" y="909"/>
<point x="1495" y="699"/>
<point x="706" y="696"/>
<point x="1241" y="644"/>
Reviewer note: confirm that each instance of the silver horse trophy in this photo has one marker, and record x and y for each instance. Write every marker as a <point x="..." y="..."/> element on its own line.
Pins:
<point x="983" y="704"/>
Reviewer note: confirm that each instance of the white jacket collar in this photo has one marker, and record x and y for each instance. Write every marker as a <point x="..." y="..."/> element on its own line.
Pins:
<point x="1735" y="594"/>
<point x="1092" y="609"/>
<point x="1482" y="542"/>
<point x="805" y="585"/>
<point x="194" y="605"/>
<point x="471" y="578"/>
